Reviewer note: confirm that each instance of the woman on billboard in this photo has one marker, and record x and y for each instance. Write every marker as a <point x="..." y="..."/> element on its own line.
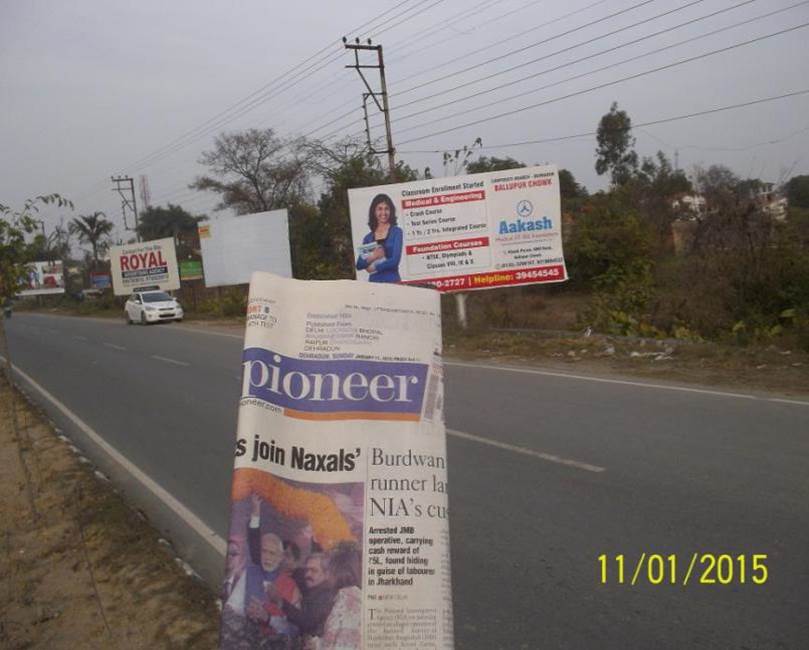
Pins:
<point x="381" y="249"/>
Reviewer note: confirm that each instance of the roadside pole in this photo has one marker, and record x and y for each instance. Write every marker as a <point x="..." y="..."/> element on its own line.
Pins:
<point x="460" y="305"/>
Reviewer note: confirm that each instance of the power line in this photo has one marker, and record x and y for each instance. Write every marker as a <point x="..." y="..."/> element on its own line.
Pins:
<point x="521" y="49"/>
<point x="609" y="83"/>
<point x="264" y="93"/>
<point x="394" y="49"/>
<point x="500" y="42"/>
<point x="639" y="125"/>
<point x="596" y="70"/>
<point x="569" y="48"/>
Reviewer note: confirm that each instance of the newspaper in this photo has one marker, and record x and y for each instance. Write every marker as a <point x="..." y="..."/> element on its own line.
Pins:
<point x="339" y="532"/>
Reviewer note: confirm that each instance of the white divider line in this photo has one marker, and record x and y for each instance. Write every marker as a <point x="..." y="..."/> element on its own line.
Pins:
<point x="168" y="360"/>
<point x="604" y="380"/>
<point x="551" y="458"/>
<point x="114" y="346"/>
<point x="788" y="401"/>
<point x="194" y="522"/>
<point x="200" y="330"/>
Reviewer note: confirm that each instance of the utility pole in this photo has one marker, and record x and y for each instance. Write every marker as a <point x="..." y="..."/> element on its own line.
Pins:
<point x="145" y="194"/>
<point x="125" y="186"/>
<point x="376" y="96"/>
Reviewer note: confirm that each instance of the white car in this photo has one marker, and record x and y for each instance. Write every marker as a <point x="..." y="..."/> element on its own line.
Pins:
<point x="151" y="307"/>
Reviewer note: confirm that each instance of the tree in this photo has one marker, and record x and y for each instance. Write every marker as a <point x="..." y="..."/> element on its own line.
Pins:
<point x="172" y="221"/>
<point x="54" y="246"/>
<point x="250" y="173"/>
<point x="493" y="164"/>
<point x="14" y="251"/>
<point x="615" y="153"/>
<point x="342" y="166"/>
<point x="569" y="188"/>
<point x="797" y="191"/>
<point x="455" y="162"/>
<point x="93" y="229"/>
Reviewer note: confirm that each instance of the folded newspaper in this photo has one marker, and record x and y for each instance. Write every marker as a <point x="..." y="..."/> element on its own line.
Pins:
<point x="339" y="533"/>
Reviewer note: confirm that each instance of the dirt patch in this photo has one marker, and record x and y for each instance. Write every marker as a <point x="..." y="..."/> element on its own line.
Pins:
<point x="768" y="369"/>
<point x="80" y="568"/>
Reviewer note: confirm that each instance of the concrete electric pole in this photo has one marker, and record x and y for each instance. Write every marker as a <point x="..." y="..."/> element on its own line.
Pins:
<point x="125" y="186"/>
<point x="380" y="98"/>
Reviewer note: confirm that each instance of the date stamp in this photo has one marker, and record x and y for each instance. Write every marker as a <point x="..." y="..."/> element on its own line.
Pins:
<point x="672" y="569"/>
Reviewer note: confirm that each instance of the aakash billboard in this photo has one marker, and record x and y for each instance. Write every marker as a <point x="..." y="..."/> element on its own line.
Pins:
<point x="476" y="231"/>
<point x="144" y="266"/>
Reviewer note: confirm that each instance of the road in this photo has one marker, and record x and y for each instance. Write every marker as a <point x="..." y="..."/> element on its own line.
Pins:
<point x="547" y="473"/>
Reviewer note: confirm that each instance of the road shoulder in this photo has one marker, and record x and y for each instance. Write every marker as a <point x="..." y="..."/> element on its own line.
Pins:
<point x="80" y="566"/>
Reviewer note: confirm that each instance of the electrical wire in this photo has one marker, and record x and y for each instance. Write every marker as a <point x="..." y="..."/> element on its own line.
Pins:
<point x="596" y="70"/>
<point x="522" y="49"/>
<point x="585" y="134"/>
<point x="266" y="92"/>
<point x="610" y="83"/>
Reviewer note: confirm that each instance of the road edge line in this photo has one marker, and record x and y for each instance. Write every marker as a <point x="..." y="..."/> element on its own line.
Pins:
<point x="190" y="519"/>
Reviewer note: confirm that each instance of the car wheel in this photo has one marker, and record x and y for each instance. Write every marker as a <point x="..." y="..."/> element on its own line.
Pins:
<point x="142" y="318"/>
<point x="128" y="318"/>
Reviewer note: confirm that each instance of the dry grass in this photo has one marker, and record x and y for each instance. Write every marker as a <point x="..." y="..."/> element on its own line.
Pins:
<point x="82" y="570"/>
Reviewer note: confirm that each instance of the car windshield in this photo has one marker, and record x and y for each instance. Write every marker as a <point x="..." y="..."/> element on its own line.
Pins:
<point x="158" y="296"/>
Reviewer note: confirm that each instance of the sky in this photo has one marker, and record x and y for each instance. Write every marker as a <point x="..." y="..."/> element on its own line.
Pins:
<point x="91" y="89"/>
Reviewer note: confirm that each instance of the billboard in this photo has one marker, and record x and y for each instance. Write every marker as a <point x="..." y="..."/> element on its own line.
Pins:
<point x="234" y="247"/>
<point x="191" y="270"/>
<point x="100" y="280"/>
<point x="143" y="266"/>
<point x="42" y="278"/>
<point x="477" y="231"/>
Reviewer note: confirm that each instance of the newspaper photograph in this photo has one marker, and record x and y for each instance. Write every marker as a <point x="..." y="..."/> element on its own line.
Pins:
<point x="339" y="528"/>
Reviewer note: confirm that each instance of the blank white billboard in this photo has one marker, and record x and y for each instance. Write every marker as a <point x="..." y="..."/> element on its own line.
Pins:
<point x="234" y="247"/>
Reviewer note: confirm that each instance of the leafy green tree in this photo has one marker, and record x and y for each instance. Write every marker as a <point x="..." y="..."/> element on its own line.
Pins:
<point x="344" y="166"/>
<point x="15" y="253"/>
<point x="251" y="173"/>
<point x="615" y="152"/>
<point x="53" y="246"/>
<point x="172" y="221"/>
<point x="493" y="164"/>
<point x="652" y="190"/>
<point x="797" y="191"/>
<point x="93" y="229"/>
<point x="569" y="187"/>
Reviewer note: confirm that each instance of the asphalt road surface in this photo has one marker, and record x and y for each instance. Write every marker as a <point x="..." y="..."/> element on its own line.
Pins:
<point x="547" y="473"/>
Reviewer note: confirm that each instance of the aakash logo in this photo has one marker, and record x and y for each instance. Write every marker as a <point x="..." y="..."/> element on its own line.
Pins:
<point x="314" y="389"/>
<point x="525" y="209"/>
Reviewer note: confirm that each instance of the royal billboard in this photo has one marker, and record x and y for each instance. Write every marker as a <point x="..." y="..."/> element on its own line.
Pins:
<point x="144" y="266"/>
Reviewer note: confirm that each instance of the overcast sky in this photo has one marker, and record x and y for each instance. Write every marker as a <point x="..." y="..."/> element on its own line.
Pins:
<point x="90" y="88"/>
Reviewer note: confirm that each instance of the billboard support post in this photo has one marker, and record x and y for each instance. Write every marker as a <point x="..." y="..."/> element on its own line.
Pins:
<point x="460" y="303"/>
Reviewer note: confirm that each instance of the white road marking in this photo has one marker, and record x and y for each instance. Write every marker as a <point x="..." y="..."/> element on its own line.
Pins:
<point x="788" y="401"/>
<point x="114" y="346"/>
<point x="211" y="332"/>
<point x="200" y="527"/>
<point x="484" y="366"/>
<point x="625" y="382"/>
<point x="167" y="360"/>
<point x="552" y="458"/>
